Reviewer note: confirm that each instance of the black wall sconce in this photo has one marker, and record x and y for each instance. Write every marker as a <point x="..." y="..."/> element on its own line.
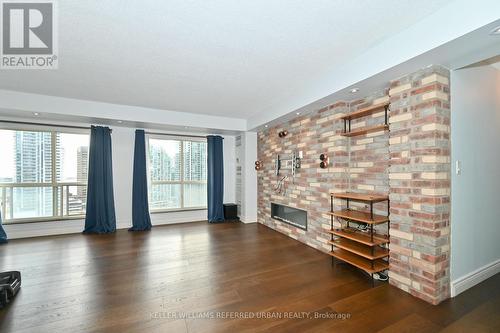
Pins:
<point x="324" y="161"/>
<point x="283" y="133"/>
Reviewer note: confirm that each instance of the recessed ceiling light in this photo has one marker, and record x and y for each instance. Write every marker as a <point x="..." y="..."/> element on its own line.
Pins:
<point x="495" y="31"/>
<point x="297" y="113"/>
<point x="185" y="127"/>
<point x="120" y="121"/>
<point x="36" y="114"/>
<point x="266" y="126"/>
<point x="354" y="90"/>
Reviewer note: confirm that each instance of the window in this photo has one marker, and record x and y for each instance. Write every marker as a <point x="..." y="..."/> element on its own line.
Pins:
<point x="177" y="174"/>
<point x="43" y="175"/>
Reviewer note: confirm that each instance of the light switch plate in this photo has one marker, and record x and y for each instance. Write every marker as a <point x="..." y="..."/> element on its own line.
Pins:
<point x="458" y="167"/>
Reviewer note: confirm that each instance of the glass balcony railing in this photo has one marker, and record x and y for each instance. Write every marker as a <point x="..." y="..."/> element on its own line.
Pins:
<point x="34" y="202"/>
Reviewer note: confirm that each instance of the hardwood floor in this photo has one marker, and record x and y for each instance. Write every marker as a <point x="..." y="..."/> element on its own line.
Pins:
<point x="143" y="282"/>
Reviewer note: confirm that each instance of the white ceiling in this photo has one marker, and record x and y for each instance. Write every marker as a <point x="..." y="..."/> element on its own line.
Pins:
<point x="226" y="58"/>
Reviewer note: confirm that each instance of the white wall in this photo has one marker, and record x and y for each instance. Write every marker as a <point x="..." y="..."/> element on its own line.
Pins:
<point x="247" y="157"/>
<point x="239" y="176"/>
<point x="475" y="209"/>
<point x="229" y="169"/>
<point x="123" y="155"/>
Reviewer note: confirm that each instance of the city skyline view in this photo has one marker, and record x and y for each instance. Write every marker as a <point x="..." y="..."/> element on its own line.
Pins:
<point x="177" y="174"/>
<point x="67" y="144"/>
<point x="177" y="182"/>
<point x="28" y="160"/>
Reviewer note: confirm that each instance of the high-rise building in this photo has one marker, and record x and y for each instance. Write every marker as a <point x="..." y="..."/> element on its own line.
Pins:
<point x="33" y="157"/>
<point x="33" y="164"/>
<point x="82" y="174"/>
<point x="195" y="156"/>
<point x="166" y="166"/>
<point x="195" y="169"/>
<point x="163" y="167"/>
<point x="59" y="156"/>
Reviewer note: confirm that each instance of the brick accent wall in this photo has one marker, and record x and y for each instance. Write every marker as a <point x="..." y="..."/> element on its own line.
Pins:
<point x="420" y="184"/>
<point x="312" y="134"/>
<point x="411" y="164"/>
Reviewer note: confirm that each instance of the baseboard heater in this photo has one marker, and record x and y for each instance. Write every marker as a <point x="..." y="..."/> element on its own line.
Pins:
<point x="290" y="215"/>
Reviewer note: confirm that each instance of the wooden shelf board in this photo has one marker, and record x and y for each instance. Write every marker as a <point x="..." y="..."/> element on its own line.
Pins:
<point x="360" y="262"/>
<point x="365" y="111"/>
<point x="360" y="249"/>
<point x="365" y="130"/>
<point x="361" y="197"/>
<point x="360" y="237"/>
<point x="358" y="216"/>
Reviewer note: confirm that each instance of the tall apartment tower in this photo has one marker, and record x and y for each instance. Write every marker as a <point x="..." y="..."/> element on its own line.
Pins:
<point x="195" y="155"/>
<point x="82" y="174"/>
<point x="33" y="165"/>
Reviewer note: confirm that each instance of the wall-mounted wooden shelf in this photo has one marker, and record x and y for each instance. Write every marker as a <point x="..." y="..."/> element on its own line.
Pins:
<point x="366" y="130"/>
<point x="363" y="113"/>
<point x="366" y="111"/>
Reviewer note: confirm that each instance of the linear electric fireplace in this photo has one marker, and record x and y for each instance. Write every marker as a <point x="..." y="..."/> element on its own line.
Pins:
<point x="290" y="215"/>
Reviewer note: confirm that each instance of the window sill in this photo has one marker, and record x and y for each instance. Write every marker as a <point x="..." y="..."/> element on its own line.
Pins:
<point x="43" y="219"/>
<point x="161" y="211"/>
<point x="82" y="217"/>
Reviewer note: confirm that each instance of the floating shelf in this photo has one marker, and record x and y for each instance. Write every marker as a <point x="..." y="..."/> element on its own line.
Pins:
<point x="363" y="113"/>
<point x="360" y="237"/>
<point x="369" y="266"/>
<point x="368" y="252"/>
<point x="358" y="216"/>
<point x="361" y="197"/>
<point x="365" y="130"/>
<point x="366" y="111"/>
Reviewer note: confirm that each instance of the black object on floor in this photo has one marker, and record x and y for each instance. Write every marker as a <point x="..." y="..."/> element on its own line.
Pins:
<point x="10" y="283"/>
<point x="230" y="211"/>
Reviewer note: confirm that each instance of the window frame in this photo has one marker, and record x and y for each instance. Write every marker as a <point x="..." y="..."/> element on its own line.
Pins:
<point x="180" y="182"/>
<point x="57" y="203"/>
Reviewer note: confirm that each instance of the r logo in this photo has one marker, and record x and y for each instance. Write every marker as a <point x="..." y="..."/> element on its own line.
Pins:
<point x="27" y="28"/>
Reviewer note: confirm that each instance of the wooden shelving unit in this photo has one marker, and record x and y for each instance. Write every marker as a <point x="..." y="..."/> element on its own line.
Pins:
<point x="369" y="266"/>
<point x="360" y="237"/>
<point x="360" y="216"/>
<point x="361" y="197"/>
<point x="364" y="249"/>
<point x="361" y="249"/>
<point x="363" y="113"/>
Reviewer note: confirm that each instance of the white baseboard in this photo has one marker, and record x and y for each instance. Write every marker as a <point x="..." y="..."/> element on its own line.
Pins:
<point x="467" y="281"/>
<point x="246" y="219"/>
<point x="38" y="229"/>
<point x="51" y="228"/>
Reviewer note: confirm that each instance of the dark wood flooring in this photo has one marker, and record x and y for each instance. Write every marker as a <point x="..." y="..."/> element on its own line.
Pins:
<point x="144" y="282"/>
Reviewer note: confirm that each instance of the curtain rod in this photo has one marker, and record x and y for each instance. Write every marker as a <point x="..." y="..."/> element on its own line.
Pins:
<point x="180" y="135"/>
<point x="44" y="124"/>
